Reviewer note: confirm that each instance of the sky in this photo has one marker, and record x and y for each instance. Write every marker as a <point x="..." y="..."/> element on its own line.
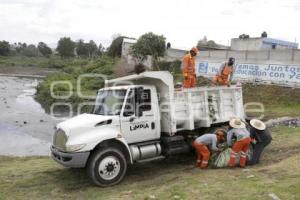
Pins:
<point x="182" y="22"/>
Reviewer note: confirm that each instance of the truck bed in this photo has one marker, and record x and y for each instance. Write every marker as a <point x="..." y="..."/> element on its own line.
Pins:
<point x="188" y="109"/>
<point x="204" y="106"/>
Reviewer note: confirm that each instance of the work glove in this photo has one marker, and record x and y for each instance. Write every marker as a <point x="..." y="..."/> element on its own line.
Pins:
<point x="217" y="151"/>
<point x="253" y="141"/>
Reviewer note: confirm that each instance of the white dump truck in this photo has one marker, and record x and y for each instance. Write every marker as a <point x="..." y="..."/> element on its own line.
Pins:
<point x="141" y="118"/>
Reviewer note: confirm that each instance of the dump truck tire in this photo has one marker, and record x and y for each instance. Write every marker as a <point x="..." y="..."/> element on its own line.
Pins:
<point x="107" y="167"/>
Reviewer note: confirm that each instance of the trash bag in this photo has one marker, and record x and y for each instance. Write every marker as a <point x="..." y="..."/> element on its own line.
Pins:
<point x="222" y="158"/>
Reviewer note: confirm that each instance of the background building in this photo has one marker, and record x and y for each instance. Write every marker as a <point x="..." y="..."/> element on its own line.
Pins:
<point x="261" y="43"/>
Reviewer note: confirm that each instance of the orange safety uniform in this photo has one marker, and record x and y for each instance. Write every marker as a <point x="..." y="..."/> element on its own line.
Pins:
<point x="241" y="146"/>
<point x="189" y="71"/>
<point x="223" y="77"/>
<point x="203" y="154"/>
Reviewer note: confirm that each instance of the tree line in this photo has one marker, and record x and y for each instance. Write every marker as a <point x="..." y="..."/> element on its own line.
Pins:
<point x="65" y="48"/>
<point x="148" y="44"/>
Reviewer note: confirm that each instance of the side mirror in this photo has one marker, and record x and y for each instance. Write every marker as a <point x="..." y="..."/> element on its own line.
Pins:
<point x="140" y="112"/>
<point x="128" y="114"/>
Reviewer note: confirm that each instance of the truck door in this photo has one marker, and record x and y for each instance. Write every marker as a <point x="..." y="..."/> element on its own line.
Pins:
<point x="138" y="120"/>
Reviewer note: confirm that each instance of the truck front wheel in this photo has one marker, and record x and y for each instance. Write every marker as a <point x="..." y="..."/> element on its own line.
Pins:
<point x="107" y="167"/>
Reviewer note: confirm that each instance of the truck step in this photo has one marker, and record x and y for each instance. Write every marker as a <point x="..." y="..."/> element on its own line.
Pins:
<point x="151" y="159"/>
<point x="176" y="150"/>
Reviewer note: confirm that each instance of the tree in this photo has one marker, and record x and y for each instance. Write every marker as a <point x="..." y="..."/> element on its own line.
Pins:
<point x="149" y="44"/>
<point x="100" y="50"/>
<point x="264" y="34"/>
<point x="44" y="49"/>
<point x="81" y="48"/>
<point x="30" y="51"/>
<point x="66" y="47"/>
<point x="92" y="49"/>
<point x="4" y="48"/>
<point x="86" y="49"/>
<point x="20" y="47"/>
<point x="115" y="48"/>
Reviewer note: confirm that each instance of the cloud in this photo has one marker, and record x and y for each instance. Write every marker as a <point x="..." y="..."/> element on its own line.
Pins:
<point x="182" y="22"/>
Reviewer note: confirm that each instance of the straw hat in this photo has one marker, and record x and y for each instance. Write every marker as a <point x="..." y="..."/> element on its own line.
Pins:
<point x="237" y="123"/>
<point x="257" y="124"/>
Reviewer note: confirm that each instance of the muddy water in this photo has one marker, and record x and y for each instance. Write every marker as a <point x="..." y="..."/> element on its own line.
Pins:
<point x="25" y="128"/>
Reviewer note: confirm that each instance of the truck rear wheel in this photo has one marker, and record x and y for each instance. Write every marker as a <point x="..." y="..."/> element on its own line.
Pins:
<point x="107" y="167"/>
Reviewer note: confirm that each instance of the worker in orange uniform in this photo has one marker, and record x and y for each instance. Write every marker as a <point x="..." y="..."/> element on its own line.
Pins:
<point x="242" y="144"/>
<point x="203" y="151"/>
<point x="188" y="69"/>
<point x="225" y="74"/>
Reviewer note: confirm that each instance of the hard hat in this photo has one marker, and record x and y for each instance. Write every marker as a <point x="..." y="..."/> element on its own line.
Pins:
<point x="195" y="49"/>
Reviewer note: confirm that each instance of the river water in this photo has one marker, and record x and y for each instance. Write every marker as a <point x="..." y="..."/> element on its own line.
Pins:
<point x="25" y="128"/>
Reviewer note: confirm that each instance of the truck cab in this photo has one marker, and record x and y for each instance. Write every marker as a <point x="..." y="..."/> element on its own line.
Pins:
<point x="122" y="117"/>
<point x="137" y="109"/>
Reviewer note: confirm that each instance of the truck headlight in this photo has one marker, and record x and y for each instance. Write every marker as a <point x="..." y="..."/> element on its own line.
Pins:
<point x="60" y="139"/>
<point x="75" y="147"/>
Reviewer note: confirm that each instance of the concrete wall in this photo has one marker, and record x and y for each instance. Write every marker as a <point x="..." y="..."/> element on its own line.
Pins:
<point x="250" y="44"/>
<point x="269" y="66"/>
<point x="286" y="75"/>
<point x="287" y="56"/>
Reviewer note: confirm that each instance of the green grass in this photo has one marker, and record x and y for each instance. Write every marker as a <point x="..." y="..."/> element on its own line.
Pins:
<point x="43" y="62"/>
<point x="278" y="172"/>
<point x="278" y="101"/>
<point x="89" y="86"/>
<point x="283" y="110"/>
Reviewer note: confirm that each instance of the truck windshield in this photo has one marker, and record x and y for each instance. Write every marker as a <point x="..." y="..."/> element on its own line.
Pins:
<point x="109" y="102"/>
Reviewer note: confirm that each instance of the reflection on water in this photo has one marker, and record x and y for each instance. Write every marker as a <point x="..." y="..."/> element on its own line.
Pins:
<point x="15" y="142"/>
<point x="25" y="127"/>
<point x="26" y="99"/>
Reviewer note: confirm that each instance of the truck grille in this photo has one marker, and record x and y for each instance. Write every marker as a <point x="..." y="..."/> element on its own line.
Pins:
<point x="60" y="139"/>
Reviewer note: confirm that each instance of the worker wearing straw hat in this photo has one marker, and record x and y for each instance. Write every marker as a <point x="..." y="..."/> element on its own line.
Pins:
<point x="243" y="140"/>
<point x="262" y="137"/>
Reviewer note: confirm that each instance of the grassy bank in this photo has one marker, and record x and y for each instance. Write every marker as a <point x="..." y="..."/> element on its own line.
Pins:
<point x="70" y="74"/>
<point x="278" y="101"/>
<point x="43" y="62"/>
<point x="278" y="173"/>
